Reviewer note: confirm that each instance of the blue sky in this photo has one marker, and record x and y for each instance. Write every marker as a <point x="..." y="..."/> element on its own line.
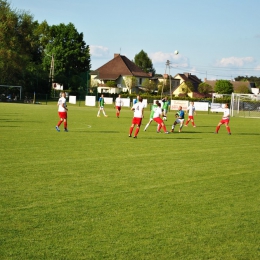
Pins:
<point x="216" y="39"/>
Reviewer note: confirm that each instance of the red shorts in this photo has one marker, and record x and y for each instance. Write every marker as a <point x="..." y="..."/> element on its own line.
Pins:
<point x="224" y="121"/>
<point x="158" y="120"/>
<point x="118" y="108"/>
<point x="137" y="121"/>
<point x="190" y="117"/>
<point x="63" y="115"/>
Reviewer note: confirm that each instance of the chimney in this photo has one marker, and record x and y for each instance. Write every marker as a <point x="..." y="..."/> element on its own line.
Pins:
<point x="116" y="54"/>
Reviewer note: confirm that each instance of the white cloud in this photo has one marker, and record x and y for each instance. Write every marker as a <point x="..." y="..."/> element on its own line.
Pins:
<point x="99" y="51"/>
<point x="257" y="67"/>
<point x="176" y="60"/>
<point x="235" y="61"/>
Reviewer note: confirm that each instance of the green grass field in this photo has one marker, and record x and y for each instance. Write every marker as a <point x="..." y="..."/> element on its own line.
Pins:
<point x="95" y="193"/>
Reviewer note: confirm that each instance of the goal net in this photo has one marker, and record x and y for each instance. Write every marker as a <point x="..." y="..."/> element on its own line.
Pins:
<point x="245" y="105"/>
<point x="9" y="92"/>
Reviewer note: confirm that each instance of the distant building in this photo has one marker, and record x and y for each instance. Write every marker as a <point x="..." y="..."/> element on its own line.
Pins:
<point x="126" y="75"/>
<point x="181" y="90"/>
<point x="238" y="86"/>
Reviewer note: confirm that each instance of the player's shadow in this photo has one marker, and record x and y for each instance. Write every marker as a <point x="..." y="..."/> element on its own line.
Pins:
<point x="170" y="137"/>
<point x="9" y="120"/>
<point x="197" y="132"/>
<point x="247" y="133"/>
<point x="10" y="126"/>
<point x="205" y="126"/>
<point x="93" y="132"/>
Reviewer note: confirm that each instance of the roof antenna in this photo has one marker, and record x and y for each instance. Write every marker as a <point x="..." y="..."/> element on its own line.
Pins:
<point x="120" y="51"/>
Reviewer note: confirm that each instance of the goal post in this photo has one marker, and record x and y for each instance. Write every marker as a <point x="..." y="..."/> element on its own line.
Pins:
<point x="10" y="87"/>
<point x="245" y="105"/>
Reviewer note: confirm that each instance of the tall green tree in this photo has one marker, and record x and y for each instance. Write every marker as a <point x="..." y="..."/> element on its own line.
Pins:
<point x="18" y="44"/>
<point x="130" y="82"/>
<point x="149" y="85"/>
<point x="71" y="55"/>
<point x="144" y="62"/>
<point x="187" y="87"/>
<point x="224" y="87"/>
<point x="204" y="88"/>
<point x="242" y="89"/>
<point x="20" y="52"/>
<point x="253" y="79"/>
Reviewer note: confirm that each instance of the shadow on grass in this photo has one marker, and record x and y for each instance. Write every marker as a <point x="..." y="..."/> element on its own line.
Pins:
<point x="9" y="120"/>
<point x="203" y="126"/>
<point x="247" y="133"/>
<point x="18" y="120"/>
<point x="93" y="132"/>
<point x="169" y="137"/>
<point x="192" y="132"/>
<point x="10" y="126"/>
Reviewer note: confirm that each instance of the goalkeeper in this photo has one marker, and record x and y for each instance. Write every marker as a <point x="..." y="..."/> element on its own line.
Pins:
<point x="179" y="119"/>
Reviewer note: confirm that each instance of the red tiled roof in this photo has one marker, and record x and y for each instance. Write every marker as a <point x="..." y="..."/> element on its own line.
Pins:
<point x="120" y="65"/>
<point x="190" y="77"/>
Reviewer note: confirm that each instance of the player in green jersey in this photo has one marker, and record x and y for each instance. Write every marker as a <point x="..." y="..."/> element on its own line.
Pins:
<point x="101" y="103"/>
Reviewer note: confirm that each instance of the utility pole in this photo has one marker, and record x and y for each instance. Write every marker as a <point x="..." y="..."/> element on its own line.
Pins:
<point x="51" y="75"/>
<point x="168" y="65"/>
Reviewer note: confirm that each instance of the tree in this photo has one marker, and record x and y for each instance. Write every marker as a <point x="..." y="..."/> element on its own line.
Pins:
<point x="149" y="85"/>
<point x="144" y="62"/>
<point x="242" y="89"/>
<point x="26" y="48"/>
<point x="224" y="87"/>
<point x="204" y="88"/>
<point x="71" y="55"/>
<point x="111" y="84"/>
<point x="130" y="82"/>
<point x="18" y="45"/>
<point x="187" y="87"/>
<point x="253" y="79"/>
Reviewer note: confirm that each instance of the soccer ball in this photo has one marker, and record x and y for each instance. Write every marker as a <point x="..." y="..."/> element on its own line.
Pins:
<point x="176" y="52"/>
<point x="165" y="118"/>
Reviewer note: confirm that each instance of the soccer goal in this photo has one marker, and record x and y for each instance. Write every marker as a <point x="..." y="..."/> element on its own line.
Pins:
<point x="10" y="90"/>
<point x="245" y="105"/>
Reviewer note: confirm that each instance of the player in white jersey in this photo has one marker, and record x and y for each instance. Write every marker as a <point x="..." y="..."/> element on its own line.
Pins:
<point x="157" y="118"/>
<point x="138" y="109"/>
<point x="62" y="111"/>
<point x="191" y="112"/>
<point x="118" y="105"/>
<point x="225" y="120"/>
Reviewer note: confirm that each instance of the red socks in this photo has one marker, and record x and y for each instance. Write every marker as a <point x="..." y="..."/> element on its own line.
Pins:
<point x="136" y="131"/>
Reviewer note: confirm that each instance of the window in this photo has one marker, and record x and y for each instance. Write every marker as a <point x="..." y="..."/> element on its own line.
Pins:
<point x="140" y="81"/>
<point x="104" y="90"/>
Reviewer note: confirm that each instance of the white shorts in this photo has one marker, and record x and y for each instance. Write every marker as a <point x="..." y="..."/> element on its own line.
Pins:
<point x="179" y="121"/>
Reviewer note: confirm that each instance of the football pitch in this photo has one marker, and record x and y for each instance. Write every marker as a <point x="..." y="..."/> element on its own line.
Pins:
<point x="95" y="193"/>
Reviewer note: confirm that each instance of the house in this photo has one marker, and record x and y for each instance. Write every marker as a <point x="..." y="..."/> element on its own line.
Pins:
<point x="162" y="80"/>
<point x="182" y="90"/>
<point x="126" y="75"/>
<point x="178" y="84"/>
<point x="238" y="86"/>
